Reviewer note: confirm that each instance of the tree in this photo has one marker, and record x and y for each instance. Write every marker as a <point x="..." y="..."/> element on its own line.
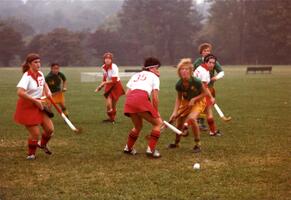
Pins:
<point x="165" y="29"/>
<point x="11" y="44"/>
<point x="245" y="31"/>
<point x="60" y="46"/>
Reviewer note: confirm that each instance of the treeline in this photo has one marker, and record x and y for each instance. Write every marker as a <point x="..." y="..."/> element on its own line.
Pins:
<point x="241" y="31"/>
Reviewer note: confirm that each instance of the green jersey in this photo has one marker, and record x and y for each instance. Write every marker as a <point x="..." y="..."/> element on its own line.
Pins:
<point x="193" y="90"/>
<point x="217" y="68"/>
<point x="54" y="81"/>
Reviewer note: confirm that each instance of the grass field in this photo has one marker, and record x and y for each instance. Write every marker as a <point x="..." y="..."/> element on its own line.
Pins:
<point x="250" y="161"/>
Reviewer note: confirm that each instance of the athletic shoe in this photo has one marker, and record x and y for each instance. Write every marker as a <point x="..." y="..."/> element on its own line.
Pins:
<point x="203" y="127"/>
<point x="217" y="133"/>
<point x="30" y="157"/>
<point x="153" y="154"/>
<point x="129" y="151"/>
<point x="44" y="148"/>
<point x="196" y="149"/>
<point x="173" y="146"/>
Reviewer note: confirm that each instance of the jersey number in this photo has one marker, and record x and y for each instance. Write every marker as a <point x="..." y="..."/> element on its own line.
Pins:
<point x="141" y="77"/>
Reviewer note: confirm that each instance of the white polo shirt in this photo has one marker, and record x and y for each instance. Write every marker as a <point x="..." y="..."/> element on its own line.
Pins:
<point x="34" y="88"/>
<point x="113" y="72"/>
<point x="202" y="73"/>
<point x="144" y="80"/>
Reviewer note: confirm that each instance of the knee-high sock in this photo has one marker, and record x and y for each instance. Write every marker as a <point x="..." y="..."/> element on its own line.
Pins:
<point x="45" y="138"/>
<point x="132" y="137"/>
<point x="32" y="145"/>
<point x="211" y="125"/>
<point x="154" y="139"/>
<point x="111" y="115"/>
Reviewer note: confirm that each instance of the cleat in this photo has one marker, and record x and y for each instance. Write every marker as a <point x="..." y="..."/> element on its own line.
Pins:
<point x="173" y="146"/>
<point x="129" y="151"/>
<point x="153" y="154"/>
<point x="44" y="148"/>
<point x="196" y="149"/>
<point x="203" y="127"/>
<point x="31" y="157"/>
<point x="217" y="133"/>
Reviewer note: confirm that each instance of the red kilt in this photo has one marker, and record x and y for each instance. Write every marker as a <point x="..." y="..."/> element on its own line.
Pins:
<point x="138" y="101"/>
<point x="27" y="113"/>
<point x="114" y="90"/>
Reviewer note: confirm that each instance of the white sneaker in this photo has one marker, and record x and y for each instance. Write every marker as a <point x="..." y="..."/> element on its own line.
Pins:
<point x="129" y="151"/>
<point x="30" y="157"/>
<point x="153" y="154"/>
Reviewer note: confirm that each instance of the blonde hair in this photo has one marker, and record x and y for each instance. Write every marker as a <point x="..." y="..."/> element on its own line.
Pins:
<point x="204" y="46"/>
<point x="185" y="62"/>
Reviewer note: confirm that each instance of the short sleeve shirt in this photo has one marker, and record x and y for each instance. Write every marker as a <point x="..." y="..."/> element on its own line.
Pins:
<point x="194" y="89"/>
<point x="54" y="81"/>
<point x="144" y="80"/>
<point x="33" y="85"/>
<point x="111" y="72"/>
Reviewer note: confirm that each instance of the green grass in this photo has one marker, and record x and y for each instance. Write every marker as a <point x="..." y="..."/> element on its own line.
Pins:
<point x="250" y="161"/>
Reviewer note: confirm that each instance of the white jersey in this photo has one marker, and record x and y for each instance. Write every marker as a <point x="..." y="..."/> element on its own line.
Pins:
<point x="113" y="72"/>
<point x="202" y="73"/>
<point x="144" y="80"/>
<point x="33" y="88"/>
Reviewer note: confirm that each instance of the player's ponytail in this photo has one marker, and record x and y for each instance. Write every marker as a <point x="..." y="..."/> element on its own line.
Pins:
<point x="29" y="58"/>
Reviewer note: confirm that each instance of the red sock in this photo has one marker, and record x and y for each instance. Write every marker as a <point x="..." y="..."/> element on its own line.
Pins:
<point x="132" y="137"/>
<point x="154" y="139"/>
<point x="211" y="125"/>
<point x="32" y="145"/>
<point x="111" y="115"/>
<point x="45" y="138"/>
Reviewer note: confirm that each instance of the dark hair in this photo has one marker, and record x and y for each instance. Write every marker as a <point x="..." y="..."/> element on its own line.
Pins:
<point x="29" y="58"/>
<point x="204" y="46"/>
<point x="151" y="61"/>
<point x="53" y="64"/>
<point x="208" y="57"/>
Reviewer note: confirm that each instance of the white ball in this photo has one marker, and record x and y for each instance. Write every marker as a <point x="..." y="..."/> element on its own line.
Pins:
<point x="196" y="166"/>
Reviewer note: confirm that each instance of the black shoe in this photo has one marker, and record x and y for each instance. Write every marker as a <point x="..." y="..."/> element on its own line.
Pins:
<point x="196" y="149"/>
<point x="203" y="127"/>
<point x="173" y="146"/>
<point x="44" y="148"/>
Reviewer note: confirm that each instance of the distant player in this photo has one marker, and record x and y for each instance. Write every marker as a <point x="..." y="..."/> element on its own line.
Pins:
<point x="203" y="73"/>
<point x="113" y="87"/>
<point x="139" y="107"/>
<point x="57" y="83"/>
<point x="190" y="103"/>
<point x="215" y="74"/>
<point x="29" y="109"/>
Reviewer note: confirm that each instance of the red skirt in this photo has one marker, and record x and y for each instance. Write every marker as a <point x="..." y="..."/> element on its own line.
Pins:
<point x="27" y="113"/>
<point x="138" y="101"/>
<point x="114" y="90"/>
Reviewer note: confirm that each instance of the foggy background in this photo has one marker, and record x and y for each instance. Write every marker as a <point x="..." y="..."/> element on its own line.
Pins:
<point x="78" y="32"/>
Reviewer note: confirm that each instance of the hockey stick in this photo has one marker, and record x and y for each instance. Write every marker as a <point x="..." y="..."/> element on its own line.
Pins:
<point x="220" y="113"/>
<point x="68" y="122"/>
